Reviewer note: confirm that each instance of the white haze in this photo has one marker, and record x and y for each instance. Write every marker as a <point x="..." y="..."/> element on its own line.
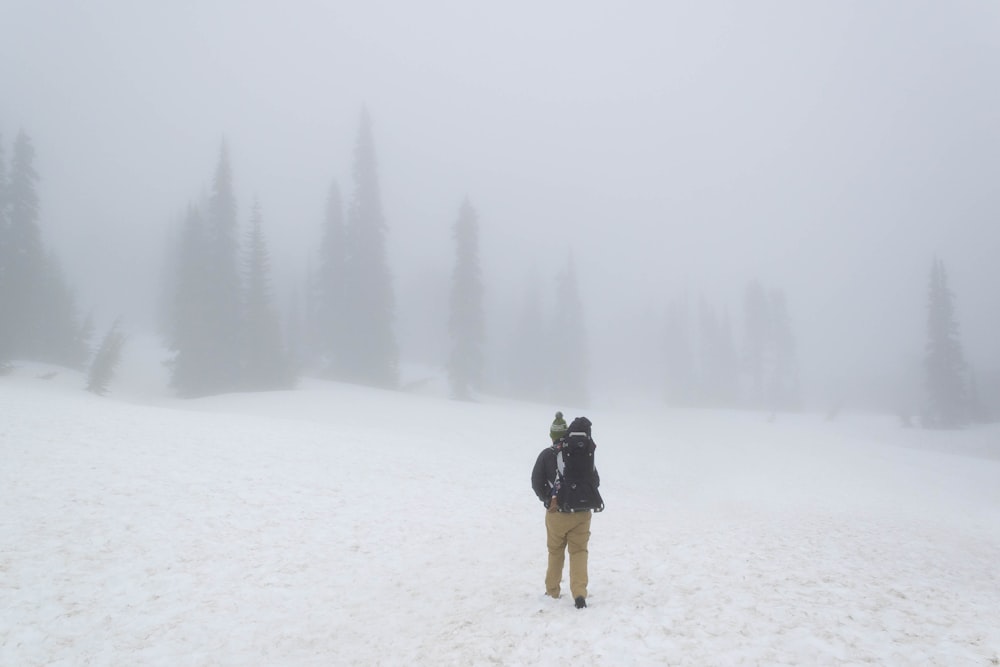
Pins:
<point x="830" y="149"/>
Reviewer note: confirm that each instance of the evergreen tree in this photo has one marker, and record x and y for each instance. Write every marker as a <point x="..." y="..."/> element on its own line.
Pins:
<point x="265" y="365"/>
<point x="569" y="342"/>
<point x="204" y="331"/>
<point x="40" y="320"/>
<point x="466" y="323"/>
<point x="222" y="282"/>
<point x="943" y="361"/>
<point x="528" y="365"/>
<point x="24" y="258"/>
<point x="190" y="310"/>
<point x="102" y="369"/>
<point x="371" y="354"/>
<point x="329" y="302"/>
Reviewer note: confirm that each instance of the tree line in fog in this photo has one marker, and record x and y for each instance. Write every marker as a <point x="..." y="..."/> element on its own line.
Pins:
<point x="226" y="330"/>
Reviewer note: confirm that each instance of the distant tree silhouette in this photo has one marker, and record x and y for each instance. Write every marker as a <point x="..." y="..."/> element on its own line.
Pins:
<point x="38" y="306"/>
<point x="222" y="282"/>
<point x="265" y="364"/>
<point x="102" y="368"/>
<point x="372" y="356"/>
<point x="466" y="322"/>
<point x="187" y="334"/>
<point x="205" y="333"/>
<point x="570" y="364"/>
<point x="944" y="364"/>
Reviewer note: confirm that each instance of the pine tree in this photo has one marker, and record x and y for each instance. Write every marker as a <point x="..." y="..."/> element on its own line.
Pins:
<point x="371" y="354"/>
<point x="466" y="323"/>
<point x="25" y="257"/>
<point x="330" y="288"/>
<point x="205" y="330"/>
<point x="265" y="365"/>
<point x="943" y="362"/>
<point x="39" y="306"/>
<point x="569" y="342"/>
<point x="222" y="282"/>
<point x="190" y="310"/>
<point x="105" y="362"/>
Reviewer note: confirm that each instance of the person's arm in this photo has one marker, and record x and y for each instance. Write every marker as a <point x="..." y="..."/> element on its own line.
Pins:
<point x="539" y="479"/>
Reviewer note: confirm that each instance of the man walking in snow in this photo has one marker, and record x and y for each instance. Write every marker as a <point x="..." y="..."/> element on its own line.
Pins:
<point x="565" y="480"/>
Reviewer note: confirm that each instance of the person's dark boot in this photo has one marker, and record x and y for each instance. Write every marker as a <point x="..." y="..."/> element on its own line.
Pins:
<point x="580" y="602"/>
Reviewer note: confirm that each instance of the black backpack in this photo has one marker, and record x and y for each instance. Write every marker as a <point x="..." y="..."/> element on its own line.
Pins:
<point x="577" y="479"/>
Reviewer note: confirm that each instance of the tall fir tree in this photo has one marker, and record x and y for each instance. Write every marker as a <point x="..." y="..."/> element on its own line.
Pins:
<point x="265" y="364"/>
<point x="944" y="364"/>
<point x="569" y="342"/>
<point x="330" y="284"/>
<point x="372" y="356"/>
<point x="466" y="323"/>
<point x="222" y="284"/>
<point x="24" y="259"/>
<point x="190" y="310"/>
<point x="40" y="312"/>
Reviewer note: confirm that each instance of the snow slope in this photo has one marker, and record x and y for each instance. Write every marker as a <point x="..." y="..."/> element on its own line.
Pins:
<point x="339" y="525"/>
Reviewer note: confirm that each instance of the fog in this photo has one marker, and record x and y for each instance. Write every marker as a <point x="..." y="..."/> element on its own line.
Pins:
<point x="828" y="149"/>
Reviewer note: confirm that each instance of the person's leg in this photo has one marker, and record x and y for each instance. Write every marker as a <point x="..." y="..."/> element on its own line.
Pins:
<point x="556" y="542"/>
<point x="577" y="537"/>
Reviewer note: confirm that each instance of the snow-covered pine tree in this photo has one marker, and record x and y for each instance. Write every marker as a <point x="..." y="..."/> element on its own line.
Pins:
<point x="466" y="323"/>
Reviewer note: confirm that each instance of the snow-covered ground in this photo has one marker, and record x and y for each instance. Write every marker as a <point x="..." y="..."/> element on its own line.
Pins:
<point x="338" y="525"/>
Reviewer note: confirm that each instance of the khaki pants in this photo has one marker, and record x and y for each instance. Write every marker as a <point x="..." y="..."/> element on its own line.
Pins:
<point x="572" y="530"/>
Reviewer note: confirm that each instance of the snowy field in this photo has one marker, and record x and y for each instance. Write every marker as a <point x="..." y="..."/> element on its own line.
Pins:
<point x="337" y="525"/>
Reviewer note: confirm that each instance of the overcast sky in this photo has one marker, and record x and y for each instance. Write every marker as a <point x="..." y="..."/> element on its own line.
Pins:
<point x="830" y="149"/>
